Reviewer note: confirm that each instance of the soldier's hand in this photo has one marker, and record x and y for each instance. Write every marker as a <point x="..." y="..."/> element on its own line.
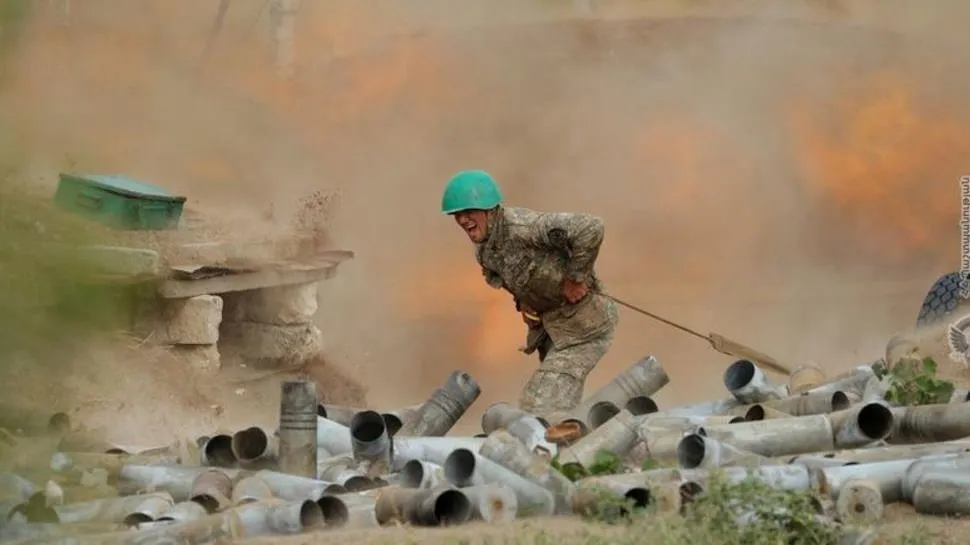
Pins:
<point x="573" y="291"/>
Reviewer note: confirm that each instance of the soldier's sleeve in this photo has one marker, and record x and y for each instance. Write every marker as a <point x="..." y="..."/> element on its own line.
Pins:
<point x="493" y="279"/>
<point x="578" y="235"/>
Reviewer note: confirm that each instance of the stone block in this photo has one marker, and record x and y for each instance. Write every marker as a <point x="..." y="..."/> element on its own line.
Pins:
<point x="194" y="320"/>
<point x="283" y="305"/>
<point x="200" y="357"/>
<point x="268" y="346"/>
<point x="122" y="261"/>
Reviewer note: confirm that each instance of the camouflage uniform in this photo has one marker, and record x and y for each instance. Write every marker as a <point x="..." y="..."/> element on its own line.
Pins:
<point x="529" y="254"/>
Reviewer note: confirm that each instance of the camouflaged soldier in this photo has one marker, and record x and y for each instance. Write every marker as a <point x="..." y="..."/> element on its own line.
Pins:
<point x="545" y="260"/>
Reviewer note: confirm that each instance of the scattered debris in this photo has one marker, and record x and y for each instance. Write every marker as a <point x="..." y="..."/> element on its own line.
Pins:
<point x="824" y="461"/>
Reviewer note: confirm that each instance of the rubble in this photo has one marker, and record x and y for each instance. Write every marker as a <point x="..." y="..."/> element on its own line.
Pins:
<point x="191" y="321"/>
<point x="331" y="466"/>
<point x="268" y="346"/>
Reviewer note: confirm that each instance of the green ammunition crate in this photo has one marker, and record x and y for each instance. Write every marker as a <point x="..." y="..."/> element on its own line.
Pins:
<point x="119" y="202"/>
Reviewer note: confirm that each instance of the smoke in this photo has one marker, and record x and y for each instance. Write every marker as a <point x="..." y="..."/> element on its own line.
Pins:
<point x="788" y="184"/>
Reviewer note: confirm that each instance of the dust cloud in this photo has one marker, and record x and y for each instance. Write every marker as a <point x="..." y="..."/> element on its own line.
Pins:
<point x="792" y="185"/>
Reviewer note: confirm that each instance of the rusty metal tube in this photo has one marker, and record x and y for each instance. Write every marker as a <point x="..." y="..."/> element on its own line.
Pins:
<point x="350" y="510"/>
<point x="600" y="413"/>
<point x="250" y="489"/>
<point x="294" y="487"/>
<point x="930" y="423"/>
<point x="335" y="509"/>
<point x="175" y="480"/>
<point x="371" y="443"/>
<point x="528" y="427"/>
<point x="281" y="517"/>
<point x="707" y="408"/>
<point x="397" y="418"/>
<point x="889" y="475"/>
<point x="506" y="450"/>
<point x="439" y="506"/>
<point x="749" y="384"/>
<point x="251" y="520"/>
<point x="298" y="428"/>
<point x="64" y="462"/>
<point x="771" y="438"/>
<point x="759" y="411"/>
<point x="337" y="413"/>
<point x="342" y="470"/>
<point x="805" y="377"/>
<point x="862" y="424"/>
<point x="644" y="378"/>
<point x="186" y="511"/>
<point x="253" y="446"/>
<point x="696" y="451"/>
<point x="492" y="502"/>
<point x="876" y="390"/>
<point x="930" y="464"/>
<point x="782" y="477"/>
<point x="217" y="451"/>
<point x="149" y="509"/>
<point x="661" y="443"/>
<point x="429" y="449"/>
<point x="500" y="415"/>
<point x="440" y="413"/>
<point x="212" y="490"/>
<point x="333" y="437"/>
<point x="814" y="462"/>
<point x="618" y="435"/>
<point x="895" y="452"/>
<point x="641" y="405"/>
<point x="393" y="420"/>
<point x="682" y="422"/>
<point x="944" y="493"/>
<point x="531" y="431"/>
<point x="464" y="467"/>
<point x="811" y="403"/>
<point x="588" y="499"/>
<point x="859" y="500"/>
<point x="420" y="474"/>
<point x="852" y="381"/>
<point x="113" y="510"/>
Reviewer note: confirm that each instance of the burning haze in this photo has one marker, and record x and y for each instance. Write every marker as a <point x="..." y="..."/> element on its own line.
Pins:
<point x="787" y="178"/>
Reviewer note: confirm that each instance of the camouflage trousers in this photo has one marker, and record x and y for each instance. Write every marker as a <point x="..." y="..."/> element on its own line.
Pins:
<point x="558" y="383"/>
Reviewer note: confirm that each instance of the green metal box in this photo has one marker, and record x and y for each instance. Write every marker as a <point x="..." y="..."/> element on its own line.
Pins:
<point x="119" y="202"/>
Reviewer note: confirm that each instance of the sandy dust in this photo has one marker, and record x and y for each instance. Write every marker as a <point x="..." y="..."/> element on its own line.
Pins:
<point x="791" y="185"/>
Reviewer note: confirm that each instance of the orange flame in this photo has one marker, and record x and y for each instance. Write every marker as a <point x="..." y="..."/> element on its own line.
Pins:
<point x="878" y="160"/>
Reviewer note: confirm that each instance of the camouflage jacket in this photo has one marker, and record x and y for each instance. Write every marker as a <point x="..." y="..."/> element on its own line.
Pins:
<point x="530" y="253"/>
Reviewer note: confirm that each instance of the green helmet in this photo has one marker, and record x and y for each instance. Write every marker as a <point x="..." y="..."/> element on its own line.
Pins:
<point x="470" y="190"/>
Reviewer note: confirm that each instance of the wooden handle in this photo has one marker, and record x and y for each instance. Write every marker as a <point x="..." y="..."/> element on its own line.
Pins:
<point x="738" y="350"/>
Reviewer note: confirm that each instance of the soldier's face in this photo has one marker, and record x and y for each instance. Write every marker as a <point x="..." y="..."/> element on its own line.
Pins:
<point x="474" y="223"/>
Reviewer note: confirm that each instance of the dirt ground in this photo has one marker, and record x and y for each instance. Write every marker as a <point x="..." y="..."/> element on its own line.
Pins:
<point x="791" y="185"/>
<point x="904" y="528"/>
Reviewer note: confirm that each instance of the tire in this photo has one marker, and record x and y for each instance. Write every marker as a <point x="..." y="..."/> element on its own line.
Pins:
<point x="942" y="299"/>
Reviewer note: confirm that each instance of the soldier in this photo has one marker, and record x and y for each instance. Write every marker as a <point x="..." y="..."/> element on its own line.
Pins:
<point x="545" y="260"/>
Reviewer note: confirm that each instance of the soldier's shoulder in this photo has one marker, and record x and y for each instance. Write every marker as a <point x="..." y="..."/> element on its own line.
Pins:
<point x="517" y="216"/>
